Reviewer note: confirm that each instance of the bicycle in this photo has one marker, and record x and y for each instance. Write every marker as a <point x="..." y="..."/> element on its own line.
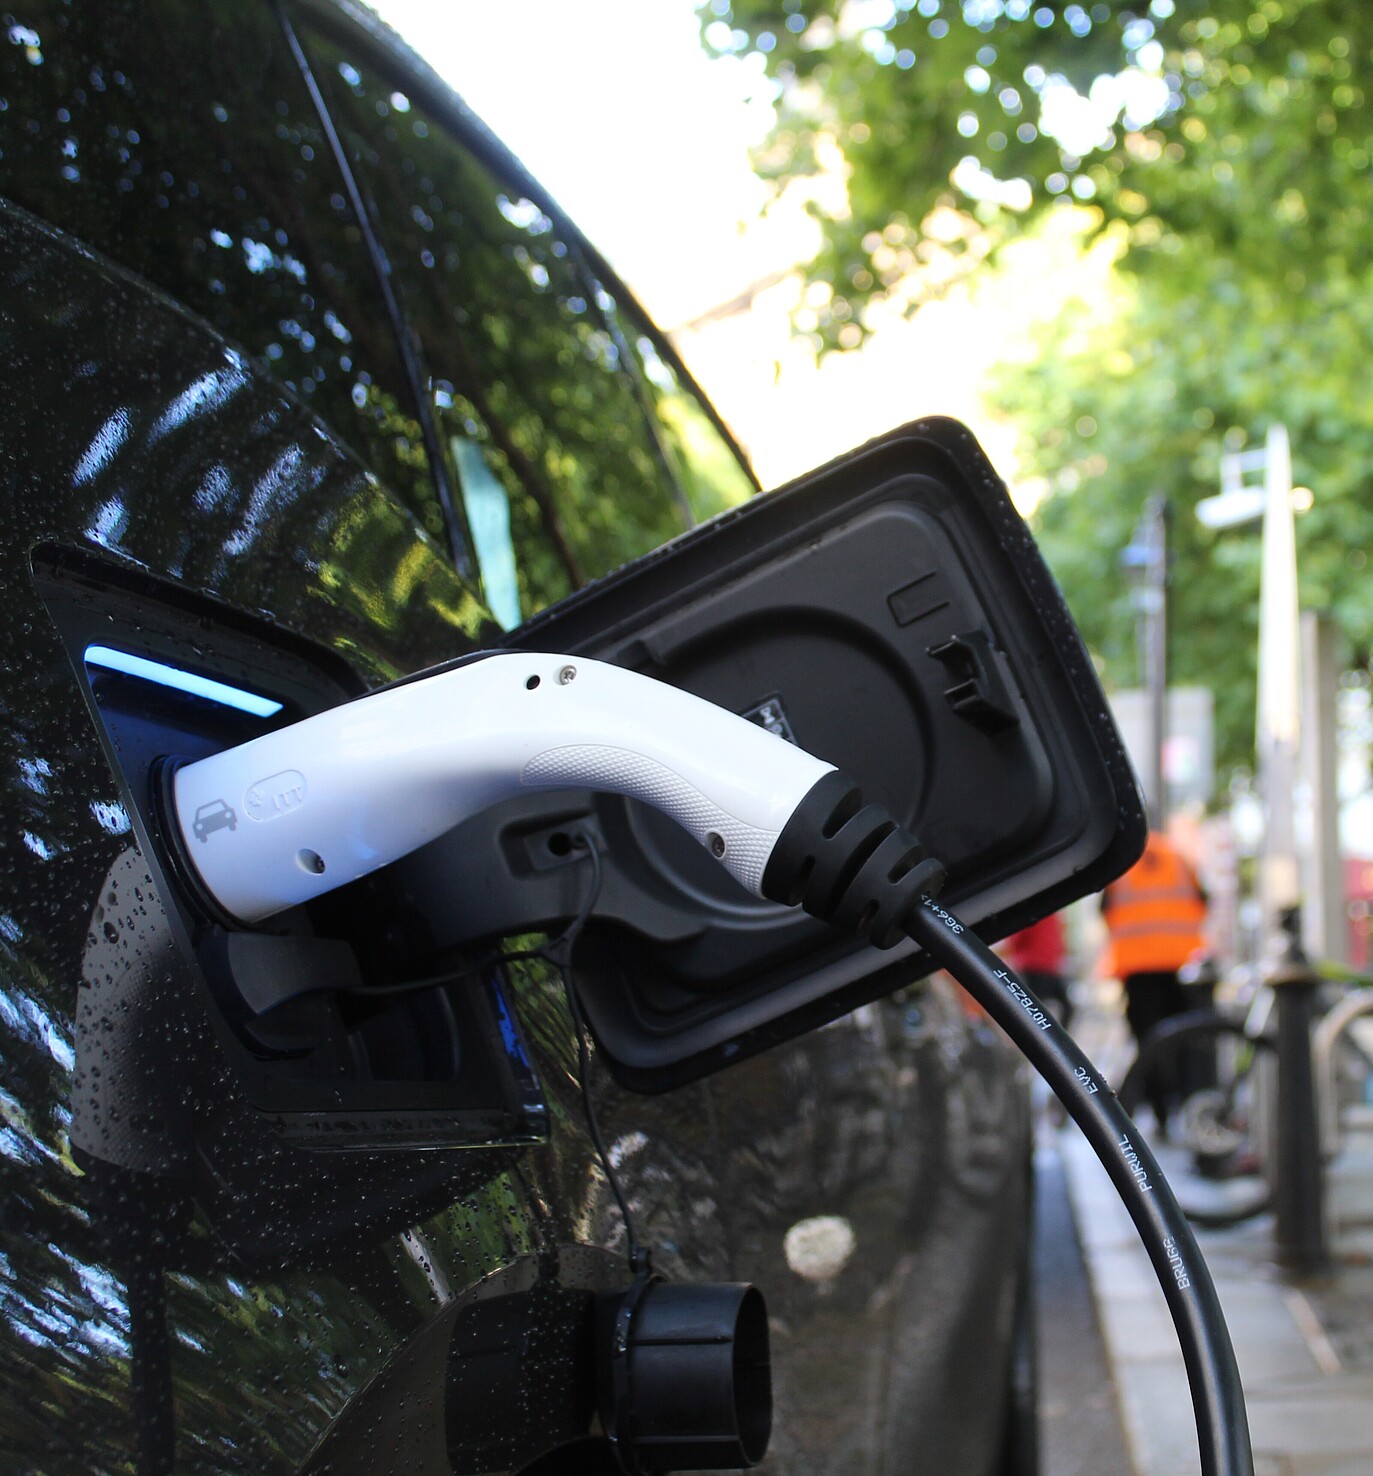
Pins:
<point x="1220" y="1069"/>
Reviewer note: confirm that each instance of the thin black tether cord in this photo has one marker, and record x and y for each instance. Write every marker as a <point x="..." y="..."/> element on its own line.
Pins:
<point x="1217" y="1397"/>
<point x="381" y="269"/>
<point x="150" y="1361"/>
<point x="559" y="953"/>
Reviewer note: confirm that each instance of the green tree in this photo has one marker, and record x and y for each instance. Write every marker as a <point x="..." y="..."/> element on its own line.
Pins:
<point x="1233" y="133"/>
<point x="1147" y="401"/>
<point x="1226" y="147"/>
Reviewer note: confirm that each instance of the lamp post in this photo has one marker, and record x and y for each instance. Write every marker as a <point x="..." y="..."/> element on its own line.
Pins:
<point x="1279" y="707"/>
<point x="1146" y="559"/>
<point x="1277" y="726"/>
<point x="1298" y="1185"/>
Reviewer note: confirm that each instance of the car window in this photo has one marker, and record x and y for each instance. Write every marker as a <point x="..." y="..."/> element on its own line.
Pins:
<point x="226" y="197"/>
<point x="544" y="383"/>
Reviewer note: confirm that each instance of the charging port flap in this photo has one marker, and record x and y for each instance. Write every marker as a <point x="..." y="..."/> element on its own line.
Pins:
<point x="889" y="613"/>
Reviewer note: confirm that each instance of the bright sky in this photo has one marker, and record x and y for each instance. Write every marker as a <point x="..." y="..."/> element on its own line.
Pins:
<point x="617" y="111"/>
<point x="644" y="140"/>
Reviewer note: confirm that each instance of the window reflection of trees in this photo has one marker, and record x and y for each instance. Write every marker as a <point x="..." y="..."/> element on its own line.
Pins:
<point x="508" y="322"/>
<point x="223" y="194"/>
<point x="529" y="349"/>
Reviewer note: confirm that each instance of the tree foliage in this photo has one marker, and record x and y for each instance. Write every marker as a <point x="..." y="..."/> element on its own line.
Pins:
<point x="1148" y="402"/>
<point x="1229" y="154"/>
<point x="1232" y="131"/>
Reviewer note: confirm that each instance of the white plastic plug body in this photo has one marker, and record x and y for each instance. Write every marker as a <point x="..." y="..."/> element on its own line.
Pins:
<point x="296" y="813"/>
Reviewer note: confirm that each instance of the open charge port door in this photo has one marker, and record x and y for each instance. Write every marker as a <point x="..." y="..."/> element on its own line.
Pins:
<point x="888" y="613"/>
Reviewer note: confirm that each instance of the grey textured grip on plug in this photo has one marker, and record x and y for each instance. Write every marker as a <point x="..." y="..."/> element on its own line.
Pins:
<point x="622" y="771"/>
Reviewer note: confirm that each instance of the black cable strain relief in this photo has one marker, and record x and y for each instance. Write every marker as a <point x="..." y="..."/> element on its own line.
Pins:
<point x="793" y="856"/>
<point x="850" y="864"/>
<point x="887" y="889"/>
<point x="839" y="857"/>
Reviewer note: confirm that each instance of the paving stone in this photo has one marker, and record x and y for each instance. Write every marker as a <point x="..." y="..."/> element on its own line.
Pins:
<point x="1139" y="1328"/>
<point x="1126" y="1272"/>
<point x="1268" y="1343"/>
<point x="1333" y="1421"/>
<point x="1357" y="1465"/>
<point x="1156" y="1408"/>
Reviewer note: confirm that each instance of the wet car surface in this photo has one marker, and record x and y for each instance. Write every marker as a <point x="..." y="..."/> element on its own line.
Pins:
<point x="221" y="1253"/>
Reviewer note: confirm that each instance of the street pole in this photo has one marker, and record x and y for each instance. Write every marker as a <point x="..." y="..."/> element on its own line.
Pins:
<point x="1324" y="924"/>
<point x="1156" y="655"/>
<point x="1146" y="561"/>
<point x="1298" y="1170"/>
<point x="1279" y="698"/>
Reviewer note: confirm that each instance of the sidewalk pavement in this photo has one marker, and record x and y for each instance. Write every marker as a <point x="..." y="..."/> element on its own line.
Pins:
<point x="1304" y="1345"/>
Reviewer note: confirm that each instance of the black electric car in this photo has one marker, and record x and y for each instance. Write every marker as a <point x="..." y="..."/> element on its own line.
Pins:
<point x="305" y="387"/>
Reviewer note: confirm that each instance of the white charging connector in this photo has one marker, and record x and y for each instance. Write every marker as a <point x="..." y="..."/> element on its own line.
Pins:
<point x="296" y="813"/>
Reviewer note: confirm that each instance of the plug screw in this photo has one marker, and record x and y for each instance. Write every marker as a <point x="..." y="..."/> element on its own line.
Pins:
<point x="567" y="674"/>
<point x="716" y="843"/>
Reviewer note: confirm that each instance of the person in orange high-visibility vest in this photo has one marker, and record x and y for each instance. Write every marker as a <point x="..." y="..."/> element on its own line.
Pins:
<point x="1155" y="915"/>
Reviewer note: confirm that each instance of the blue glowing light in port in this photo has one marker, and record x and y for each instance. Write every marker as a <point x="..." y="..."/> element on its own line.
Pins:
<point x="181" y="681"/>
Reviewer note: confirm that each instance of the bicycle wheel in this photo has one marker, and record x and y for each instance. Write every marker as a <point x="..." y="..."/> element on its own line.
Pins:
<point x="1213" y="1078"/>
<point x="1352" y="1078"/>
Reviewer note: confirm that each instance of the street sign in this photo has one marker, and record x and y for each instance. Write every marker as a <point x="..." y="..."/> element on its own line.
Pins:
<point x="1232" y="508"/>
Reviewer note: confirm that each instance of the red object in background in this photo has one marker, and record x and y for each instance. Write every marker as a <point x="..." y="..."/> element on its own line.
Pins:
<point x="1040" y="948"/>
<point x="1358" y="898"/>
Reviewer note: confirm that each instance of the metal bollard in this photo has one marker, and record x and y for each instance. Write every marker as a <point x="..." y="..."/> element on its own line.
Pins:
<point x="1299" y="1182"/>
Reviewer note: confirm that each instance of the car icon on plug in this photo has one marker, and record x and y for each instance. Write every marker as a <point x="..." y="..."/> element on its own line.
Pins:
<point x="215" y="815"/>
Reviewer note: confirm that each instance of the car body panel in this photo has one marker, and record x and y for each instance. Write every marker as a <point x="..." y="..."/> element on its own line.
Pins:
<point x="152" y="460"/>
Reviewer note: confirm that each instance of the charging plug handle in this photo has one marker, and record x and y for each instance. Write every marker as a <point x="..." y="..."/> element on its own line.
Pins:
<point x="296" y="813"/>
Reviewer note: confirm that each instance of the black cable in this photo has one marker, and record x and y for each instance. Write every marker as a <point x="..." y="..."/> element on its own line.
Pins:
<point x="1212" y="1373"/>
<point x="381" y="268"/>
<point x="150" y="1363"/>
<point x="438" y="981"/>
